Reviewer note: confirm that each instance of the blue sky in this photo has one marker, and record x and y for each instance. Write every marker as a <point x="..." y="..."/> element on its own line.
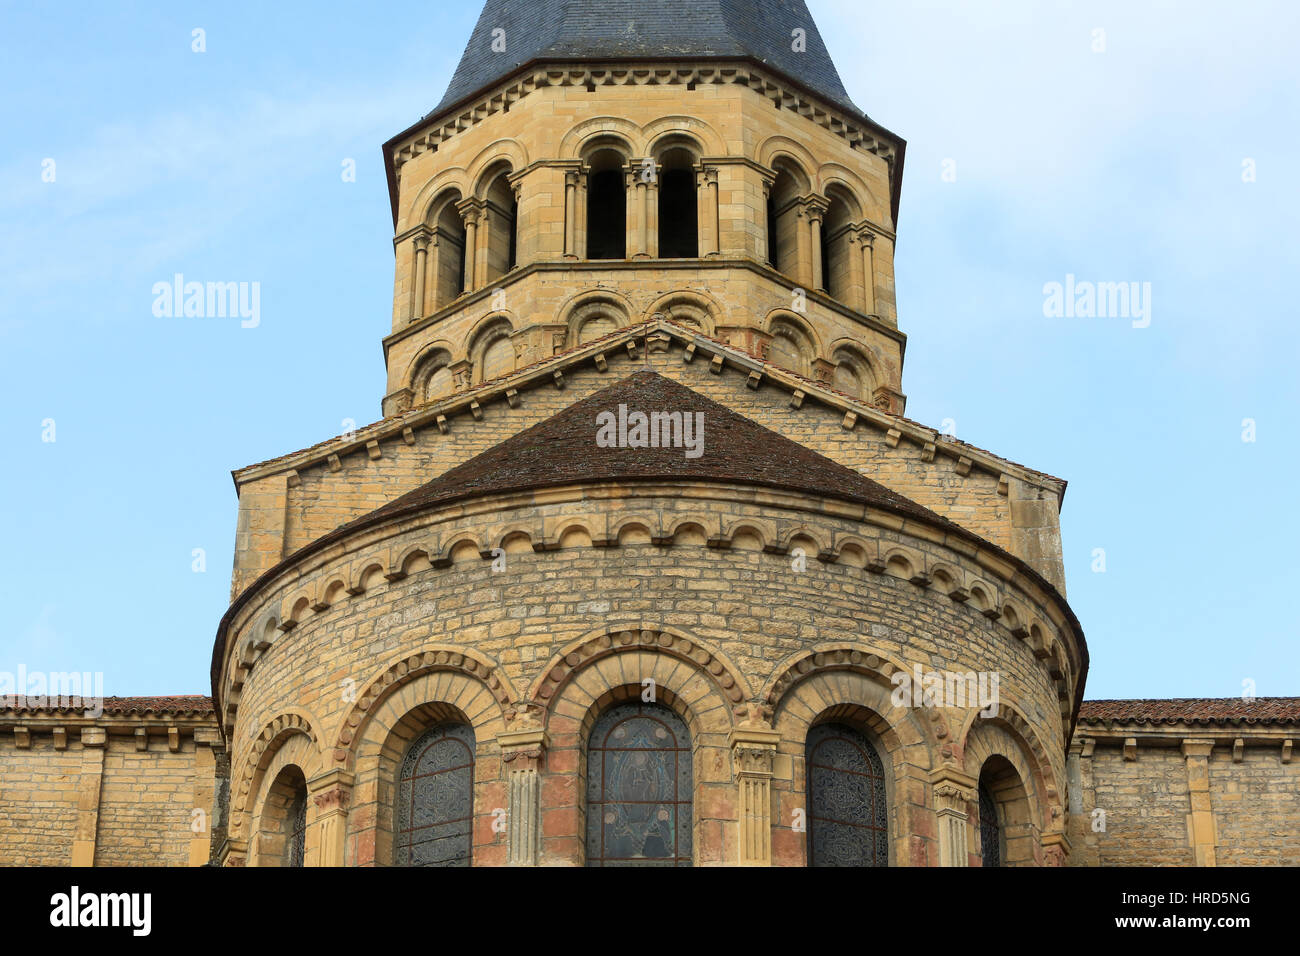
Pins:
<point x="1124" y="164"/>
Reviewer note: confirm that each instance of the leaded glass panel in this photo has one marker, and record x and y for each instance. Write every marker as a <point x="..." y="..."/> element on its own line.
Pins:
<point x="639" y="786"/>
<point x="435" y="796"/>
<point x="297" y="822"/>
<point x="990" y="829"/>
<point x="847" y="808"/>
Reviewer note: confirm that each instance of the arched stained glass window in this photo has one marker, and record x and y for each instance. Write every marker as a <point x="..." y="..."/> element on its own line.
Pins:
<point x="296" y="821"/>
<point x="990" y="829"/>
<point x="435" y="797"/>
<point x="639" y="786"/>
<point x="847" y="808"/>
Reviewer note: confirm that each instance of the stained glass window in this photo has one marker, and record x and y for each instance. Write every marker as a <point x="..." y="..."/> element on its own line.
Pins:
<point x="848" y="822"/>
<point x="435" y="796"/>
<point x="990" y="829"/>
<point x="639" y="786"/>
<point x="297" y="824"/>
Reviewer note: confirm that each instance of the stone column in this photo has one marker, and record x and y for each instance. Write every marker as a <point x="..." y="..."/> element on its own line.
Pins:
<point x="521" y="753"/>
<point x="816" y="211"/>
<point x="752" y="753"/>
<point x="1200" y="819"/>
<point x="469" y="210"/>
<point x="954" y="792"/>
<point x="421" y="243"/>
<point x="205" y="768"/>
<point x="634" y="221"/>
<point x="706" y="199"/>
<point x="571" y="178"/>
<point x="94" y="741"/>
<point x="580" y="214"/>
<point x="331" y="791"/>
<point x="866" y="239"/>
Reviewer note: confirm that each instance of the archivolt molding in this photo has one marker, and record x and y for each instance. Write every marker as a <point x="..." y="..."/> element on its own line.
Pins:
<point x="510" y="151"/>
<point x="1047" y="783"/>
<point x="451" y="179"/>
<point x="776" y="148"/>
<point x="619" y="639"/>
<point x="436" y="657"/>
<point x="257" y="759"/>
<point x="689" y="127"/>
<point x="575" y="141"/>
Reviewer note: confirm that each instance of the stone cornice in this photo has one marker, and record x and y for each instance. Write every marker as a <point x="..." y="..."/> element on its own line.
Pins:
<point x="857" y="129"/>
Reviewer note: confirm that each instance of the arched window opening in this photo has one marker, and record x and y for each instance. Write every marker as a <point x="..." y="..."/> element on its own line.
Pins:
<point x="433" y="825"/>
<point x="837" y="267"/>
<point x="606" y="206"/>
<point x="1007" y="833"/>
<point x="440" y="383"/>
<point x="501" y="218"/>
<point x="783" y="223"/>
<point x="848" y="819"/>
<point x="679" y="220"/>
<point x="990" y="828"/>
<point x="639" y="788"/>
<point x="282" y="830"/>
<point x="852" y="374"/>
<point x="790" y="348"/>
<point x="448" y="264"/>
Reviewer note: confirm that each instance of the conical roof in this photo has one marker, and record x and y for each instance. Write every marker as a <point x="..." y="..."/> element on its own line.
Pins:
<point x="594" y="30"/>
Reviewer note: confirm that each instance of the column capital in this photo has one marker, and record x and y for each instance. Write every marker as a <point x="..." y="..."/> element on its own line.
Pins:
<point x="1197" y="747"/>
<point x="528" y="744"/>
<point x="336" y="779"/>
<point x="953" y="790"/>
<point x="815" y="206"/>
<point x="470" y="210"/>
<point x="753" y="750"/>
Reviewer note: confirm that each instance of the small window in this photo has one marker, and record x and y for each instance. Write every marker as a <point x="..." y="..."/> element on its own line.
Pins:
<point x="847" y="809"/>
<point x="639" y="787"/>
<point x="990" y="829"/>
<point x="296" y="820"/>
<point x="435" y="796"/>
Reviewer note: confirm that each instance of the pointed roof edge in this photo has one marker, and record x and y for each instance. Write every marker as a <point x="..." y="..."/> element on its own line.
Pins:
<point x="539" y="372"/>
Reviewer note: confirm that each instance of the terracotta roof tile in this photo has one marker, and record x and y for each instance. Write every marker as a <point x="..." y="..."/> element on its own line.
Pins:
<point x="1193" y="710"/>
<point x="199" y="704"/>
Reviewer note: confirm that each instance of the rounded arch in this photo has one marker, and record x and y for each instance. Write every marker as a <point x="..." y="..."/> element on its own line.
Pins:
<point x="293" y="723"/>
<point x="491" y="711"/>
<point x="614" y="131"/>
<point x="1003" y="763"/>
<point x="695" y="310"/>
<point x="706" y="140"/>
<point x="782" y="152"/>
<point x="490" y="348"/>
<point x="483" y="168"/>
<point x="430" y="199"/>
<point x="864" y="203"/>
<point x="669" y="646"/>
<point x="593" y="315"/>
<point x="441" y="203"/>
<point x="793" y="326"/>
<point x="430" y="372"/>
<point x="855" y="372"/>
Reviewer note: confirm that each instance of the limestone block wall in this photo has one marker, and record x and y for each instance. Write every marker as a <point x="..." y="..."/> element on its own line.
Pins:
<point x="734" y="636"/>
<point x="1193" y="795"/>
<point x="108" y="791"/>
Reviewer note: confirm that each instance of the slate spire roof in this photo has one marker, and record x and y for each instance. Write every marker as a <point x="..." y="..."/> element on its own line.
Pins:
<point x="593" y="30"/>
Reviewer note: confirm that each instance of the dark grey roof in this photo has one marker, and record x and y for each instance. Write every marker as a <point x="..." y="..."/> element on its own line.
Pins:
<point x="645" y="29"/>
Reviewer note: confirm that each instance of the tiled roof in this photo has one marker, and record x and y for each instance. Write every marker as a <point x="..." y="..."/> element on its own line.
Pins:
<point x="562" y="450"/>
<point x="566" y="30"/>
<point x="1193" y="710"/>
<point x="197" y="704"/>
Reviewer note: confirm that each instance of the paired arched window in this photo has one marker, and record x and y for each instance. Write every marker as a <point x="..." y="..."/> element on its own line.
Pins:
<point x="783" y="221"/>
<point x="679" y="218"/>
<point x="500" y="219"/>
<point x="606" y="206"/>
<point x="435" y="799"/>
<point x="639" y="788"/>
<point x="837" y="268"/>
<point x="848" y="819"/>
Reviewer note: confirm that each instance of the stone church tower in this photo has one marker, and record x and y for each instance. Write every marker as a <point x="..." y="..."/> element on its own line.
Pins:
<point x="482" y="630"/>
<point x="642" y="564"/>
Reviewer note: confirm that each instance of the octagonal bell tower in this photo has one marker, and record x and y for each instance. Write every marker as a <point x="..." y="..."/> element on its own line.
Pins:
<point x="585" y="172"/>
